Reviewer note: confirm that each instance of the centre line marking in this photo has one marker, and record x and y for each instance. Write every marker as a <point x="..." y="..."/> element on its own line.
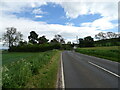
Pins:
<point x="104" y="69"/>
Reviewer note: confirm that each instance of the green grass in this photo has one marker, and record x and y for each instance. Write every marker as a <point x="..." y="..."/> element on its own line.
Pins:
<point x="30" y="70"/>
<point x="110" y="53"/>
<point x="15" y="56"/>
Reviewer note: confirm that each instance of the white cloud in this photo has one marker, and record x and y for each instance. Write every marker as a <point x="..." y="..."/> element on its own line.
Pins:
<point x="101" y="24"/>
<point x="108" y="9"/>
<point x="105" y="9"/>
<point x="49" y="30"/>
<point x="38" y="11"/>
<point x="73" y="9"/>
<point x="19" y="5"/>
<point x="38" y="16"/>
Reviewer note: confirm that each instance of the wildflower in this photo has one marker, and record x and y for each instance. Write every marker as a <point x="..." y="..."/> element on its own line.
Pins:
<point x="5" y="68"/>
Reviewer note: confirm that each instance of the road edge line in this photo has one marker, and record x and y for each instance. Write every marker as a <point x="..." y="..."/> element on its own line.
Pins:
<point x="104" y="69"/>
<point x="63" y="83"/>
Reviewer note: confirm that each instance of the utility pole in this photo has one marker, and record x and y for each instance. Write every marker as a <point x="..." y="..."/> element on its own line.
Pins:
<point x="77" y="40"/>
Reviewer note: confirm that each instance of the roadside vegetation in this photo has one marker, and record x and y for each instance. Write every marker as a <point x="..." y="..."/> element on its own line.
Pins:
<point x="110" y="53"/>
<point x="34" y="63"/>
<point x="30" y="70"/>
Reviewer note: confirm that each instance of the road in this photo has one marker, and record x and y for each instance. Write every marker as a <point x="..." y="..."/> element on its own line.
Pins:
<point x="83" y="71"/>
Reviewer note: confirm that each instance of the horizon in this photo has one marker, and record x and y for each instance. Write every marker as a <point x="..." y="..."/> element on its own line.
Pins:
<point x="69" y="19"/>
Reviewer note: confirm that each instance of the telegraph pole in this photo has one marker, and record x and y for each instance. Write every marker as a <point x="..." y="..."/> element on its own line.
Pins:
<point x="77" y="40"/>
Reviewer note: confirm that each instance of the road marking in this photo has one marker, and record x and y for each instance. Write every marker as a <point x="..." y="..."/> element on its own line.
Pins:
<point x="104" y="69"/>
<point x="63" y="84"/>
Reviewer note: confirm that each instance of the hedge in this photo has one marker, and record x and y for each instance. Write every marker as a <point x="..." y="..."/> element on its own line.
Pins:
<point x="34" y="48"/>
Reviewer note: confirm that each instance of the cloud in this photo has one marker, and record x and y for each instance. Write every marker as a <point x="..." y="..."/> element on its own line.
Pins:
<point x="38" y="11"/>
<point x="49" y="30"/>
<point x="18" y="6"/>
<point x="72" y="8"/>
<point x="107" y="10"/>
<point x="38" y="16"/>
<point x="100" y="24"/>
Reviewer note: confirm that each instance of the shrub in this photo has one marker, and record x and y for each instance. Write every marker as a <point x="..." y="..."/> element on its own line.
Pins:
<point x="34" y="48"/>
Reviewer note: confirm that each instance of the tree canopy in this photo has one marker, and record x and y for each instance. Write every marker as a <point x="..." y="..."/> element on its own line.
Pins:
<point x="33" y="37"/>
<point x="58" y="38"/>
<point x="42" y="40"/>
<point x="86" y="42"/>
<point x="12" y="37"/>
<point x="107" y="35"/>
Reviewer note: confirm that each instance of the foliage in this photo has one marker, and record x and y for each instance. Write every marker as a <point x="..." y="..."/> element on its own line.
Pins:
<point x="111" y="53"/>
<point x="19" y="73"/>
<point x="54" y="41"/>
<point x="34" y="48"/>
<point x="12" y="37"/>
<point x="86" y="42"/>
<point x="21" y="43"/>
<point x="33" y="37"/>
<point x="107" y="35"/>
<point x="58" y="39"/>
<point x="108" y="42"/>
<point x="42" y="40"/>
<point x="66" y="47"/>
<point x="69" y="43"/>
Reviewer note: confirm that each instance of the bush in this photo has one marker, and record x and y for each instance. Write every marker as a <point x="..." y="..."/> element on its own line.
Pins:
<point x="108" y="42"/>
<point x="34" y="48"/>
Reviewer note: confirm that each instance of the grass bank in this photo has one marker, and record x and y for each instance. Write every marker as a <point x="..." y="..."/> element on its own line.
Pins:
<point x="110" y="53"/>
<point x="30" y="70"/>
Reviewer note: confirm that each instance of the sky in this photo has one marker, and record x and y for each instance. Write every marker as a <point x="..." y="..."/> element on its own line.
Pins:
<point x="69" y="18"/>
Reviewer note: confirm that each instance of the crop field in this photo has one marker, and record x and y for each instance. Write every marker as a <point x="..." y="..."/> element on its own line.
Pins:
<point x="110" y="53"/>
<point x="30" y="70"/>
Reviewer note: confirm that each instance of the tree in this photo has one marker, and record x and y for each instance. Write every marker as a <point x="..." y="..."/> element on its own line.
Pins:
<point x="59" y="39"/>
<point x="42" y="40"/>
<point x="12" y="37"/>
<point x="33" y="37"/>
<point x="112" y="35"/>
<point x="54" y="41"/>
<point x="69" y="42"/>
<point x="88" y="41"/>
<point x="81" y="42"/>
<point x="88" y="38"/>
<point x="62" y="41"/>
<point x="21" y="43"/>
<point x="101" y="36"/>
<point x="108" y="35"/>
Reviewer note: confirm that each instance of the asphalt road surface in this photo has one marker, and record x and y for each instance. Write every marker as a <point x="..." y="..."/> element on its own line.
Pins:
<point x="83" y="71"/>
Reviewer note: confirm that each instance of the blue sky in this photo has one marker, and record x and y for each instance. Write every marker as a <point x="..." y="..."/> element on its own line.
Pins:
<point x="55" y="14"/>
<point x="70" y="19"/>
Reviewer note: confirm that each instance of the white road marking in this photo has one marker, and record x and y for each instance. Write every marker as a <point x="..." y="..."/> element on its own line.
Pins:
<point x="104" y="69"/>
<point x="63" y="84"/>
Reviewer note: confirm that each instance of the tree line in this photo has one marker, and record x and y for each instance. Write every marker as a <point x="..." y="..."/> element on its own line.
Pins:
<point x="103" y="39"/>
<point x="14" y="40"/>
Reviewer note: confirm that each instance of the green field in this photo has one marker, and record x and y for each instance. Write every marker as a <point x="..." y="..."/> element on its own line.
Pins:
<point x="30" y="70"/>
<point x="110" y="53"/>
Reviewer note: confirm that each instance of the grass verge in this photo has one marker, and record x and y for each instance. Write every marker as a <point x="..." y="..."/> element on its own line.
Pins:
<point x="110" y="53"/>
<point x="38" y="70"/>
